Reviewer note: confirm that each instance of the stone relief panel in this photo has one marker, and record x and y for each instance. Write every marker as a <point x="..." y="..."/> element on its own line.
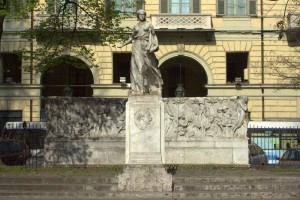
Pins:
<point x="85" y="117"/>
<point x="192" y="118"/>
<point x="185" y="118"/>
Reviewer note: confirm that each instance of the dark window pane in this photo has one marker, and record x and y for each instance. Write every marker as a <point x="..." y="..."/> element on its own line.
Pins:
<point x="11" y="68"/>
<point x="235" y="65"/>
<point x="121" y="68"/>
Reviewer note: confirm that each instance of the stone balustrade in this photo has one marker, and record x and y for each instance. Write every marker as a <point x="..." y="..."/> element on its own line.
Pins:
<point x="176" y="21"/>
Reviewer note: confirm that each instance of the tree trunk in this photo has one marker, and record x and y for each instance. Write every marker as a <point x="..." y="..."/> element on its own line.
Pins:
<point x="1" y="26"/>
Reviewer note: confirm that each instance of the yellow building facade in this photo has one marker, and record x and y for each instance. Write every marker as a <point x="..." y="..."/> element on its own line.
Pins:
<point x="213" y="47"/>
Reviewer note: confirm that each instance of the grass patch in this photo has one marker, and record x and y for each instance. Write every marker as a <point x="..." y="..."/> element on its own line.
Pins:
<point x="62" y="170"/>
<point x="281" y="169"/>
<point x="17" y="169"/>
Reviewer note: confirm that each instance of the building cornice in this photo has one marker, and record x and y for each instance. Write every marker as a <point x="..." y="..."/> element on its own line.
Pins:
<point x="20" y="86"/>
<point x="19" y="91"/>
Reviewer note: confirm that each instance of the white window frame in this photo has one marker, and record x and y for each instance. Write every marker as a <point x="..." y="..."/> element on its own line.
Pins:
<point x="180" y="3"/>
<point x="122" y="5"/>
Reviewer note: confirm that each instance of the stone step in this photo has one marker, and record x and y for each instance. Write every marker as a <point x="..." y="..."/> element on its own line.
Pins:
<point x="176" y="180"/>
<point x="56" y="187"/>
<point x="199" y="180"/>
<point x="114" y="180"/>
<point x="56" y="180"/>
<point x="237" y="187"/>
<point x="187" y="185"/>
<point x="148" y="195"/>
<point x="177" y="187"/>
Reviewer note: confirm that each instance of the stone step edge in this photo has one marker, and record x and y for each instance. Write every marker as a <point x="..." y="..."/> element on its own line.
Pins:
<point x="175" y="180"/>
<point x="60" y="193"/>
<point x="134" y="195"/>
<point x="289" y="184"/>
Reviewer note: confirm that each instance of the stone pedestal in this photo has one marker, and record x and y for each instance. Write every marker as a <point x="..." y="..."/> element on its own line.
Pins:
<point x="145" y="142"/>
<point x="151" y="178"/>
<point x="145" y="146"/>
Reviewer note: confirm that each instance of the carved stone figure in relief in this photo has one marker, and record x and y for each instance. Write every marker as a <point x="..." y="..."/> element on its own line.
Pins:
<point x="144" y="73"/>
<point x="85" y="117"/>
<point x="143" y="118"/>
<point x="205" y="117"/>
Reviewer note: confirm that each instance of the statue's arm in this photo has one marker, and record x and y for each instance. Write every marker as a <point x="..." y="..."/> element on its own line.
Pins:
<point x="125" y="43"/>
<point x="129" y="40"/>
<point x="154" y="42"/>
<point x="152" y="29"/>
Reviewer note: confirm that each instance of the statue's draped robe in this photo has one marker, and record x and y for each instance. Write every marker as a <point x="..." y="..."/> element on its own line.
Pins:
<point x="145" y="75"/>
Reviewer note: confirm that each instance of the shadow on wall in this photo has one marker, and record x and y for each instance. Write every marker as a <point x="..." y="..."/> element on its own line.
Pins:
<point x="85" y="117"/>
<point x="83" y="131"/>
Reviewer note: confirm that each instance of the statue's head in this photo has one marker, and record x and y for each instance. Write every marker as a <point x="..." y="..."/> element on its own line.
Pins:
<point x="141" y="11"/>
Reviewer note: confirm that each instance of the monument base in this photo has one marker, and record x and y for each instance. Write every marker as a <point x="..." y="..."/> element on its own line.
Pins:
<point x="145" y="141"/>
<point x="151" y="178"/>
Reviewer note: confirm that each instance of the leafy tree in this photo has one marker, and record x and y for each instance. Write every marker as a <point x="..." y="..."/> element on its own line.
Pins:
<point x="286" y="66"/>
<point x="73" y="25"/>
<point x="15" y="9"/>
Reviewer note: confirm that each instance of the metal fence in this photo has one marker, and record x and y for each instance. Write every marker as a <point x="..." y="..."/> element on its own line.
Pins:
<point x="278" y="146"/>
<point x="22" y="143"/>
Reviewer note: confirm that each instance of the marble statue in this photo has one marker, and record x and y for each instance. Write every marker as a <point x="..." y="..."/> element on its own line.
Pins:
<point x="144" y="73"/>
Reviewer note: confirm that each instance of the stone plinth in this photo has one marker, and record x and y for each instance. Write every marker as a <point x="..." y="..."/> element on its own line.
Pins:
<point x="84" y="151"/>
<point x="151" y="178"/>
<point x="223" y="151"/>
<point x="145" y="130"/>
<point x="145" y="146"/>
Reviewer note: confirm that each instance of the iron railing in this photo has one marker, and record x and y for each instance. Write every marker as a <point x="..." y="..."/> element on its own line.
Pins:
<point x="22" y="143"/>
<point x="280" y="145"/>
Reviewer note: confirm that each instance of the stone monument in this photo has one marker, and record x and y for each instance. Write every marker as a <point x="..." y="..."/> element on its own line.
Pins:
<point x="145" y="148"/>
<point x="148" y="130"/>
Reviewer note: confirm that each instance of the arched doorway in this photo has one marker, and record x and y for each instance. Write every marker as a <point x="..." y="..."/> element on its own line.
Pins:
<point x="65" y="74"/>
<point x="191" y="74"/>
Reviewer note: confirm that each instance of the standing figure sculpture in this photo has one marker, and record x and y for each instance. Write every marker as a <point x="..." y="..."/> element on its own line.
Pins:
<point x="144" y="73"/>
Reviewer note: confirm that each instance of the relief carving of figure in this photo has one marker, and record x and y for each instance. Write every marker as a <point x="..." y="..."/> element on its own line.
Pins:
<point x="144" y="73"/>
<point x="205" y="117"/>
<point x="85" y="117"/>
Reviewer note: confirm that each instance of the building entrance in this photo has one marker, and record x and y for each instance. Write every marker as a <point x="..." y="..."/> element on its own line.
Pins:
<point x="186" y="71"/>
